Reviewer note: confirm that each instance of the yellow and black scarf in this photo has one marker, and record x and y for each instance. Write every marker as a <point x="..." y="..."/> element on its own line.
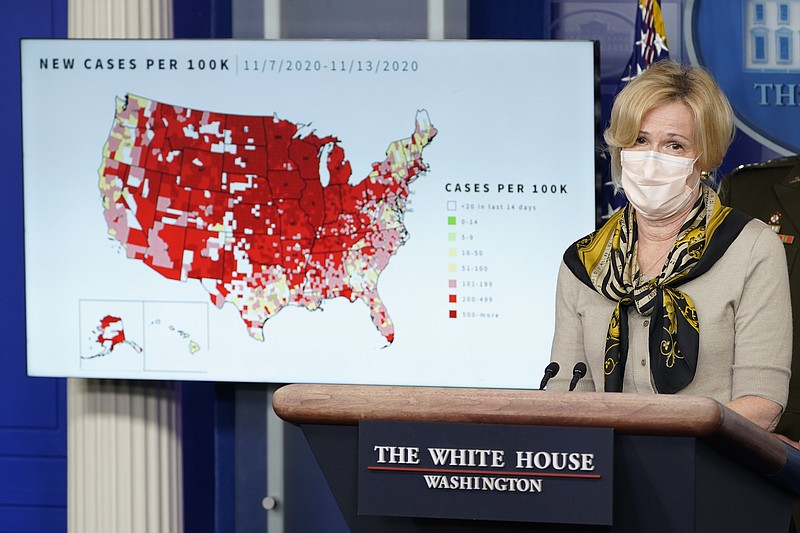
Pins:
<point x="606" y="262"/>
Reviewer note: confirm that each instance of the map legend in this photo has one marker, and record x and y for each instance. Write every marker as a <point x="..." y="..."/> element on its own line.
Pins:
<point x="452" y="252"/>
<point x="475" y="261"/>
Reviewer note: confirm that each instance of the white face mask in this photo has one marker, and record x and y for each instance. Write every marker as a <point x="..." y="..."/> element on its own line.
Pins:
<point x="656" y="184"/>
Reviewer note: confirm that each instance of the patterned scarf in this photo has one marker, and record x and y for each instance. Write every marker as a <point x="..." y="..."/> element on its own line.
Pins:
<point x="606" y="262"/>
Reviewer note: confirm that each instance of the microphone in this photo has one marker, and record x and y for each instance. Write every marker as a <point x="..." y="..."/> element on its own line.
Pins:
<point x="577" y="373"/>
<point x="549" y="371"/>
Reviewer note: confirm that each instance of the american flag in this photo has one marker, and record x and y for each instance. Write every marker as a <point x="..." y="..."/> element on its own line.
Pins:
<point x="649" y="46"/>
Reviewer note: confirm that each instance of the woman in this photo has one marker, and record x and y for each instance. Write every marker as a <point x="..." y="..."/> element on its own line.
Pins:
<point x="676" y="293"/>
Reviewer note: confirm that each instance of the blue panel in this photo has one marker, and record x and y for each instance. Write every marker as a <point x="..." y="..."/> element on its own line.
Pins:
<point x="509" y="19"/>
<point x="309" y="500"/>
<point x="224" y="469"/>
<point x="33" y="470"/>
<point x="37" y="519"/>
<point x="198" y="403"/>
<point x="32" y="400"/>
<point x="35" y="479"/>
<point x="40" y="434"/>
<point x="250" y="457"/>
<point x="202" y="18"/>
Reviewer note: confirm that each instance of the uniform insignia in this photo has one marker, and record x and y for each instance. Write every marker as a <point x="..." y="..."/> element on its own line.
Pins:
<point x="774" y="223"/>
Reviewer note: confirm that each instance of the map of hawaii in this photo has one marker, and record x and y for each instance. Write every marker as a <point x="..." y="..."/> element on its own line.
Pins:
<point x="264" y="216"/>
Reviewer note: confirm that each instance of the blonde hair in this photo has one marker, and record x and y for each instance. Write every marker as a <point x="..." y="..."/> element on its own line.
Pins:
<point x="667" y="81"/>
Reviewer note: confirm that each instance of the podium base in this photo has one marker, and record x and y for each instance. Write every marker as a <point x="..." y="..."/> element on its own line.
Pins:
<point x="662" y="484"/>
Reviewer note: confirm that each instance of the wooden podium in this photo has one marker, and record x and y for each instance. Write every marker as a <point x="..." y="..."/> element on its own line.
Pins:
<point x="681" y="463"/>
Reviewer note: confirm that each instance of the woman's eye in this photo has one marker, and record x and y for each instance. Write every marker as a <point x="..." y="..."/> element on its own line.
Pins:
<point x="640" y="140"/>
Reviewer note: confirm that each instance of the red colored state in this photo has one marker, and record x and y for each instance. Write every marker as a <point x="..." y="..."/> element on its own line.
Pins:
<point x="266" y="250"/>
<point x="207" y="208"/>
<point x="339" y="169"/>
<point x="332" y="204"/>
<point x="286" y="184"/>
<point x="294" y="259"/>
<point x="246" y="130"/>
<point x="294" y="222"/>
<point x="319" y="278"/>
<point x="228" y="265"/>
<point x="164" y="254"/>
<point x="354" y="196"/>
<point x="278" y="134"/>
<point x="111" y="332"/>
<point x="256" y="219"/>
<point x="201" y="170"/>
<point x="146" y="196"/>
<point x="249" y="189"/>
<point x="336" y="246"/>
<point x="246" y="160"/>
<point x="204" y="262"/>
<point x="159" y="155"/>
<point x="173" y="199"/>
<point x="304" y="156"/>
<point x="313" y="203"/>
<point x="188" y="128"/>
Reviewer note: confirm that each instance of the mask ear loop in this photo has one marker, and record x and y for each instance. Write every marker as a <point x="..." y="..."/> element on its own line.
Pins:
<point x="704" y="176"/>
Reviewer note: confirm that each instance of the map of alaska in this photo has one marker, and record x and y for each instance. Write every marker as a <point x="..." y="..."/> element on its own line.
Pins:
<point x="108" y="335"/>
<point x="262" y="214"/>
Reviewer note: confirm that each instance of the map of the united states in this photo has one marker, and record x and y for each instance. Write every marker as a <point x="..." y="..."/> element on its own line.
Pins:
<point x="261" y="213"/>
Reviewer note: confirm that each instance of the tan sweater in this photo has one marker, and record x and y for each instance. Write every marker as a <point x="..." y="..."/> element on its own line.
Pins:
<point x="745" y="326"/>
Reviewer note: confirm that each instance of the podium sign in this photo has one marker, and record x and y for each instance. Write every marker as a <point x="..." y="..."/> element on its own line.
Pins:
<point x="486" y="472"/>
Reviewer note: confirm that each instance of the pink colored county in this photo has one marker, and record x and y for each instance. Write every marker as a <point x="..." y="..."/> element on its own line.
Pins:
<point x="239" y="203"/>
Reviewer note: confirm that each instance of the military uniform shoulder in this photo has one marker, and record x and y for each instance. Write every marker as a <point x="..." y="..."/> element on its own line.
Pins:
<point x="781" y="162"/>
